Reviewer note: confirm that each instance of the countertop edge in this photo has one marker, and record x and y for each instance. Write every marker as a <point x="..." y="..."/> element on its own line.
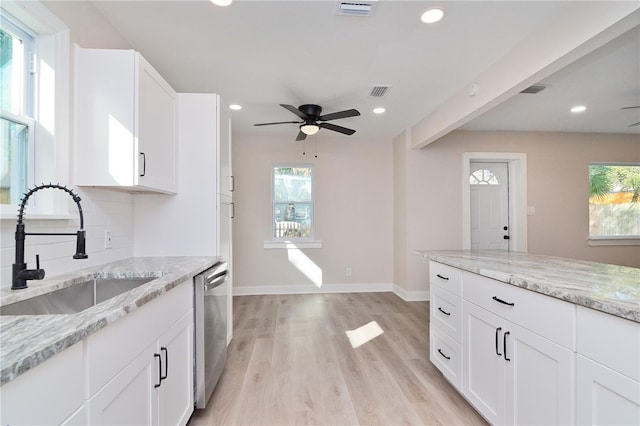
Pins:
<point x="81" y="325"/>
<point x="538" y="286"/>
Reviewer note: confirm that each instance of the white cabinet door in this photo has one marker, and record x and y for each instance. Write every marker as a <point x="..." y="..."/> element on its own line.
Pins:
<point x="130" y="398"/>
<point x="539" y="379"/>
<point x="156" y="129"/>
<point x="48" y="393"/>
<point x="225" y="172"/>
<point x="484" y="371"/>
<point x="125" y="123"/>
<point x="604" y="396"/>
<point x="176" y="391"/>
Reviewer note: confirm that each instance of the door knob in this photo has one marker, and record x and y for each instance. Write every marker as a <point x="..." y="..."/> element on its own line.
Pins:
<point x="505" y="228"/>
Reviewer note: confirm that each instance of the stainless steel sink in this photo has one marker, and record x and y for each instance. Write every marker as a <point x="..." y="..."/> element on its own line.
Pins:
<point x="74" y="299"/>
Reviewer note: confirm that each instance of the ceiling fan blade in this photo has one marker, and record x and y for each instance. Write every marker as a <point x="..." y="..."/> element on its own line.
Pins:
<point x="631" y="107"/>
<point x="278" y="122"/>
<point x="335" y="128"/>
<point x="294" y="110"/>
<point x="634" y="124"/>
<point x="340" y="114"/>
<point x="301" y="136"/>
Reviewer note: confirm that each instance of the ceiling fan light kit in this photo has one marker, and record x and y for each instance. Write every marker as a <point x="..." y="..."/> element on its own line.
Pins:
<point x="312" y="120"/>
<point x="309" y="129"/>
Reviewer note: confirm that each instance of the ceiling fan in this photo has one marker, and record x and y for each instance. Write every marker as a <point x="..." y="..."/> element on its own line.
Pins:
<point x="311" y="118"/>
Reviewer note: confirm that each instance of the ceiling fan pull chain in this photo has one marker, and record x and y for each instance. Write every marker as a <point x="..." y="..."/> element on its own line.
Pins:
<point x="315" y="142"/>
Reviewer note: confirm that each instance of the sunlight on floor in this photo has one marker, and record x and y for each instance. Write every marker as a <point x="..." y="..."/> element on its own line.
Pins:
<point x="305" y="265"/>
<point x="362" y="335"/>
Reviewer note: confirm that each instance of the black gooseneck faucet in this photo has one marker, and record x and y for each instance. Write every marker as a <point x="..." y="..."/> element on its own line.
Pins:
<point x="20" y="272"/>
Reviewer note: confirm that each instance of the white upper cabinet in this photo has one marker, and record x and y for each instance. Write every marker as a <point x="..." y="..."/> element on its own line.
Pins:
<point x="125" y="123"/>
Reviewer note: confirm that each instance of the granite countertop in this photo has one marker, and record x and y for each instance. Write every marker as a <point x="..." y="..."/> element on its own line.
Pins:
<point x="608" y="288"/>
<point x="28" y="340"/>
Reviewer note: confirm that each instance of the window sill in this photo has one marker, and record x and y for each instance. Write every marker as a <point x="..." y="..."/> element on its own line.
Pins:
<point x="614" y="241"/>
<point x="293" y="244"/>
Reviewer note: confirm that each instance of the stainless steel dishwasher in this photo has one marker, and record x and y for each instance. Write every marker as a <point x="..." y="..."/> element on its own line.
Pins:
<point x="211" y="289"/>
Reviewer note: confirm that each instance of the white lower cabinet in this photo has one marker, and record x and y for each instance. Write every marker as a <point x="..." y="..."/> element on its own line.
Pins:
<point x="130" y="398"/>
<point x="512" y="375"/>
<point x="608" y="369"/>
<point x="156" y="387"/>
<point x="606" y="397"/>
<point x="50" y="393"/>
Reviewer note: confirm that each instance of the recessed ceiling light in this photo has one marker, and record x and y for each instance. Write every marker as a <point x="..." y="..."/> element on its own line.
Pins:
<point x="221" y="2"/>
<point x="235" y="107"/>
<point x="578" y="108"/>
<point x="432" y="15"/>
<point x="379" y="110"/>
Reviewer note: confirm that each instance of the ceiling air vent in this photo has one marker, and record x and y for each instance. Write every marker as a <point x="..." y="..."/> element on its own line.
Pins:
<point x="379" y="91"/>
<point x="356" y="8"/>
<point x="536" y="88"/>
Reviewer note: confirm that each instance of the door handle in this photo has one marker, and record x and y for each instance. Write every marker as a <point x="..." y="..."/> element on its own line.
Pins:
<point x="166" y="364"/>
<point x="157" y="385"/>
<point x="144" y="164"/>
<point x="506" y="237"/>
<point x="504" y="345"/>
<point x="498" y="338"/>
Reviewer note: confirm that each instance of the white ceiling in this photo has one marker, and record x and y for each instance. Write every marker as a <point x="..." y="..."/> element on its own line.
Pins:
<point x="604" y="81"/>
<point x="263" y="53"/>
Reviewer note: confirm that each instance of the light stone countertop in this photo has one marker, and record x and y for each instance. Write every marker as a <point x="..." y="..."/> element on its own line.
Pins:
<point x="608" y="288"/>
<point x="28" y="340"/>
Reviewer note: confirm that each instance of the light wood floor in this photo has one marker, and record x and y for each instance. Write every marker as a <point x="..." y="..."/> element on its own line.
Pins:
<point x="291" y="363"/>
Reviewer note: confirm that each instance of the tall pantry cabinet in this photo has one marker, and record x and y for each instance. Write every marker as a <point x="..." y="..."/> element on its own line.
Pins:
<point x="197" y="220"/>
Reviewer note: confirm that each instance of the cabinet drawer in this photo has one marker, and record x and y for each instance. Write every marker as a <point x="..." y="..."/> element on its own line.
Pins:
<point x="446" y="312"/>
<point x="610" y="340"/>
<point x="446" y="355"/>
<point x="544" y="315"/>
<point x="446" y="277"/>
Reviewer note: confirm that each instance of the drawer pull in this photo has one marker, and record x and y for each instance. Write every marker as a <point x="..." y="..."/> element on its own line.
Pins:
<point x="502" y="301"/>
<point x="443" y="355"/>
<point x="504" y="345"/>
<point x="441" y="310"/>
<point x="497" y="339"/>
<point x="441" y="277"/>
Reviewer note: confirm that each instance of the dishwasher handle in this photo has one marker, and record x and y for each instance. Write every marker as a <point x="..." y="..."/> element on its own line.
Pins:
<point x="215" y="280"/>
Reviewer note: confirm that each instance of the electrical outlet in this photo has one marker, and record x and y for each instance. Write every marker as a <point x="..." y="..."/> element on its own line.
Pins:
<point x="531" y="210"/>
<point x="348" y="271"/>
<point x="107" y="239"/>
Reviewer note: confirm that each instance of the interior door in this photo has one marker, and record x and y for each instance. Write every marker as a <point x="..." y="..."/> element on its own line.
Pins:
<point x="489" y="205"/>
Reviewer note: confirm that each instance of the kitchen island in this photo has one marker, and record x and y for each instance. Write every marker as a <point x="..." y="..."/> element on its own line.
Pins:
<point x="537" y="339"/>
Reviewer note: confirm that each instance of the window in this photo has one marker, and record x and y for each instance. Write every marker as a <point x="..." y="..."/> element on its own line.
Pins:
<point x="16" y="115"/>
<point x="34" y="114"/>
<point x="614" y="204"/>
<point x="292" y="202"/>
<point x="483" y="177"/>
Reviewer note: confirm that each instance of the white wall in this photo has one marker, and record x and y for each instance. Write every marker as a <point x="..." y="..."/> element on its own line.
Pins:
<point x="557" y="185"/>
<point x="353" y="213"/>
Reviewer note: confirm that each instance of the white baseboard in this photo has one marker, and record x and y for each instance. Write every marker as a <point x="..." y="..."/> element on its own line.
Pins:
<point x="409" y="296"/>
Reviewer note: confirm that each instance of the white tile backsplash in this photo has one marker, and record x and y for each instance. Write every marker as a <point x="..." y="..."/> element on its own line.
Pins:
<point x="102" y="209"/>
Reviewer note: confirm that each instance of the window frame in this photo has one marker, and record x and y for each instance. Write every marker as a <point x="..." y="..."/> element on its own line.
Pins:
<point x="50" y="108"/>
<point x="273" y="202"/>
<point x="609" y="240"/>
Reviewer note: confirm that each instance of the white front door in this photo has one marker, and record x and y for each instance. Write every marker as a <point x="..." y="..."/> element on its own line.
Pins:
<point x="489" y="205"/>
